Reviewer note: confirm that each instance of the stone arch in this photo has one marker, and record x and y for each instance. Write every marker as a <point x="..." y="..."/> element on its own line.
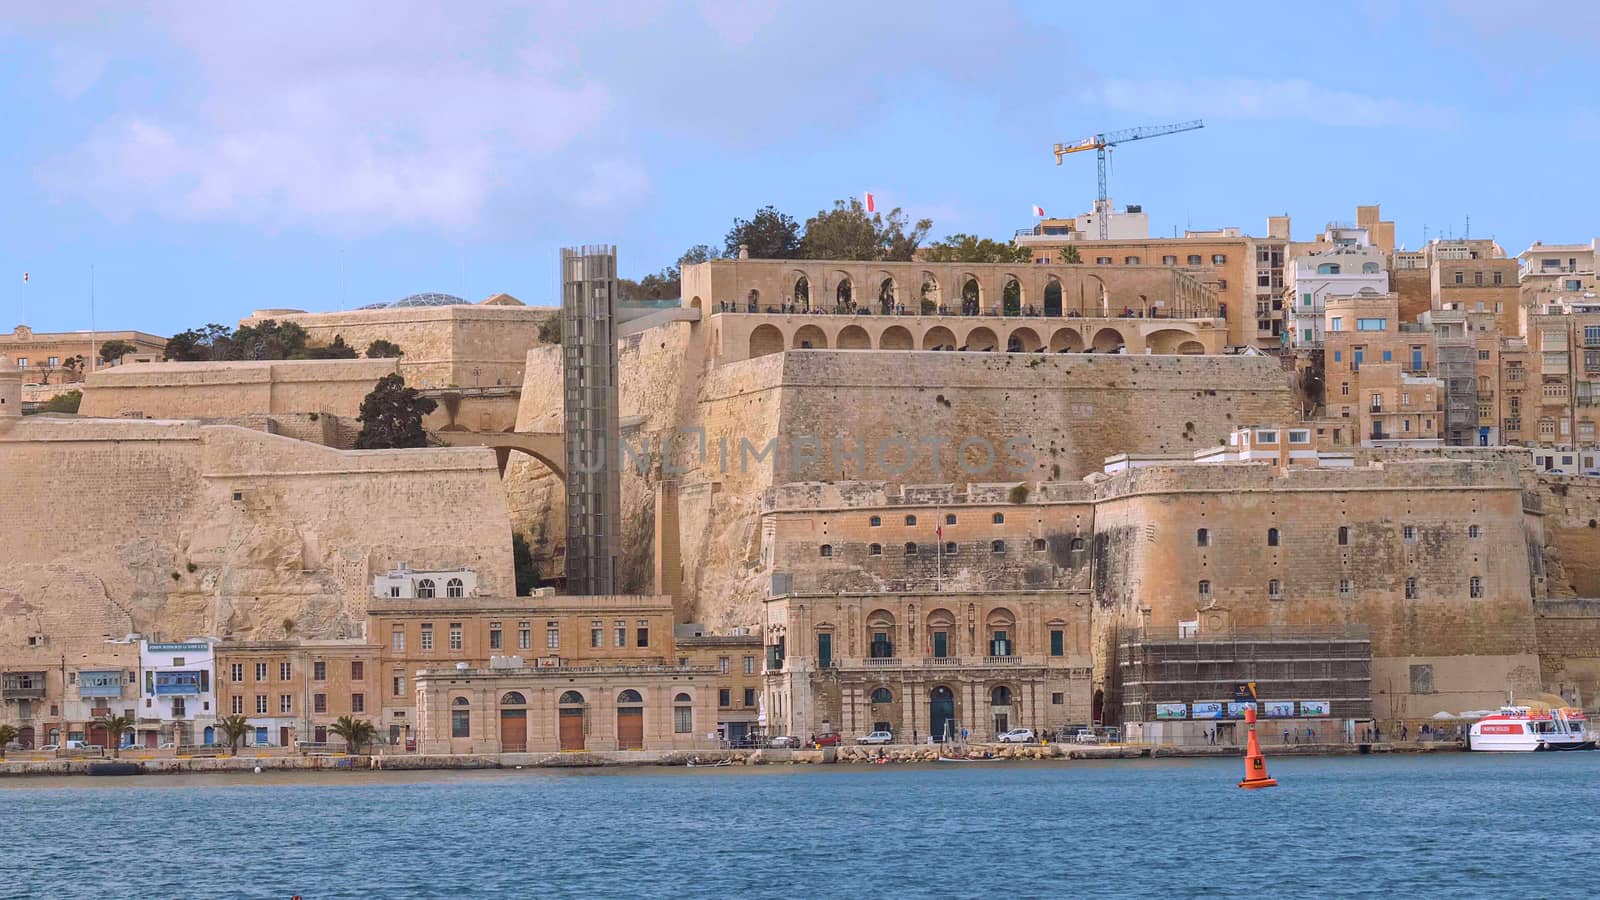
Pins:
<point x="1166" y="340"/>
<point x="981" y="338"/>
<point x="765" y="339"/>
<point x="695" y="303"/>
<point x="939" y="338"/>
<point x="1066" y="340"/>
<point x="844" y="290"/>
<point x="853" y="337"/>
<point x="932" y="297"/>
<point x="1052" y="297"/>
<point x="810" y="337"/>
<point x="896" y="337"/>
<point x="800" y="289"/>
<point x="887" y="294"/>
<point x="1012" y="298"/>
<point x="1108" y="340"/>
<point x="1023" y="340"/>
<point x="1192" y="347"/>
<point x="971" y="295"/>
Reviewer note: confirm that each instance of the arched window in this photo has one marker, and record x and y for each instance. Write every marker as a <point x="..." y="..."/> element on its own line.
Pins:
<point x="455" y="589"/>
<point x="997" y="546"/>
<point x="911" y="520"/>
<point x="513" y="698"/>
<point x="875" y="521"/>
<point x="1205" y="588"/>
<point x="882" y="695"/>
<point x="874" y="549"/>
<point x="949" y="548"/>
<point x="1328" y="269"/>
<point x="571" y="698"/>
<point x="460" y="716"/>
<point x="461" y="701"/>
<point x="1275" y="589"/>
<point x="826" y="550"/>
<point x="911" y="548"/>
<point x="1369" y="268"/>
<point x="1272" y="537"/>
<point x="629" y="696"/>
<point x="1344" y="535"/>
<point x="682" y="714"/>
<point x="425" y="589"/>
<point x="1202" y="537"/>
<point x="1000" y="696"/>
<point x="999" y="518"/>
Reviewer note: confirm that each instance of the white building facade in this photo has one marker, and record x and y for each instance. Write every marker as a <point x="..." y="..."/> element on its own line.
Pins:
<point x="402" y="583"/>
<point x="1343" y="271"/>
<point x="177" y="693"/>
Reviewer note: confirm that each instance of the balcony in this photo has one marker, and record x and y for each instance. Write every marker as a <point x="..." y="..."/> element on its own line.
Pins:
<point x="1002" y="660"/>
<point x="941" y="661"/>
<point x="22" y="686"/>
<point x="883" y="662"/>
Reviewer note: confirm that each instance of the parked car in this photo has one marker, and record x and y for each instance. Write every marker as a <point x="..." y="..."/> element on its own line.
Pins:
<point x="784" y="742"/>
<point x="876" y="737"/>
<point x="1085" y="736"/>
<point x="1017" y="736"/>
<point x="50" y="747"/>
<point x="825" y="739"/>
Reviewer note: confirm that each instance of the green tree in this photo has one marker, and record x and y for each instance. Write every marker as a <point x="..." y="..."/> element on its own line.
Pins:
<point x="382" y="349"/>
<point x="768" y="235"/>
<point x="67" y="402"/>
<point x="74" y="367"/>
<point x="699" y="253"/>
<point x="115" y="726"/>
<point x="336" y="350"/>
<point x="844" y="232"/>
<point x="391" y="416"/>
<point x="209" y="343"/>
<point x="270" y="339"/>
<point x="971" y="248"/>
<point x="234" y="728"/>
<point x="113" y="350"/>
<point x="550" y="330"/>
<point x="523" y="566"/>
<point x="356" y="732"/>
<point x="1070" y="256"/>
<point x="8" y="733"/>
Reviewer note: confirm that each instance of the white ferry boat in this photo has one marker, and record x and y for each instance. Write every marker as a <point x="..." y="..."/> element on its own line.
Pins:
<point x="1520" y="728"/>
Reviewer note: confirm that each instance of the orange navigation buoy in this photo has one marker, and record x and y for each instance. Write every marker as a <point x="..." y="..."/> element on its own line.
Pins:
<point x="1255" y="766"/>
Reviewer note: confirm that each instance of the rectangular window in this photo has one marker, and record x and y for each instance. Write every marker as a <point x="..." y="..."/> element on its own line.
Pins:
<point x="682" y="719"/>
<point x="597" y="634"/>
<point x="642" y="633"/>
<point x="1371" y="324"/>
<point x="238" y="706"/>
<point x="319" y="671"/>
<point x="261" y="704"/>
<point x="750" y="696"/>
<point x="283" y="671"/>
<point x="1388" y="356"/>
<point x="723" y="665"/>
<point x="460" y="723"/>
<point x="238" y="673"/>
<point x="1475" y="587"/>
<point x="397" y="683"/>
<point x="620" y="633"/>
<point x="750" y="661"/>
<point x="319" y="703"/>
<point x="358" y="670"/>
<point x="524" y="636"/>
<point x="1336" y="323"/>
<point x="285" y="704"/>
<point x="1305" y="334"/>
<point x="358" y="703"/>
<point x="825" y="649"/>
<point x="261" y="671"/>
<point x="496" y="636"/>
<point x="1300" y="436"/>
<point x="1058" y="698"/>
<point x="1411" y="588"/>
<point x="1344" y="586"/>
<point x="456" y="640"/>
<point x="724" y="698"/>
<point x="1410" y="532"/>
<point x="397" y="639"/>
<point x="427" y="637"/>
<point x="1058" y="642"/>
<point x="1305" y="298"/>
<point x="552" y="636"/>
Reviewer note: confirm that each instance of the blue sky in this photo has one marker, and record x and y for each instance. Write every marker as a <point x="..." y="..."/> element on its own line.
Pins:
<point x="210" y="161"/>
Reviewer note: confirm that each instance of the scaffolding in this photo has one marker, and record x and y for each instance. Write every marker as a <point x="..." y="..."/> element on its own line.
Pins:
<point x="591" y="435"/>
<point x="1458" y="368"/>
<point x="1333" y="664"/>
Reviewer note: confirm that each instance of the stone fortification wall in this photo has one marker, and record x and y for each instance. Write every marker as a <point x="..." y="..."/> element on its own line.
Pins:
<point x="1569" y="649"/>
<point x="442" y="344"/>
<point x="177" y="528"/>
<point x="200" y="390"/>
<point x="1571" y="508"/>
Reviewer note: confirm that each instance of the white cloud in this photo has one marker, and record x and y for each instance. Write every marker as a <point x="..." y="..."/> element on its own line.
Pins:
<point x="1244" y="98"/>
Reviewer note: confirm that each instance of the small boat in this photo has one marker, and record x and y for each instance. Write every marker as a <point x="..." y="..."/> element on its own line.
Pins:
<point x="956" y="759"/>
<point x="1524" y="729"/>
<point x="115" y="768"/>
<point x="721" y="763"/>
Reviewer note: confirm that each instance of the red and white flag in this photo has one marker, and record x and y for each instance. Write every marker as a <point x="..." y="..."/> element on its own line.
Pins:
<point x="1038" y="211"/>
<point x="24" y="277"/>
<point x="939" y="532"/>
<point x="872" y="205"/>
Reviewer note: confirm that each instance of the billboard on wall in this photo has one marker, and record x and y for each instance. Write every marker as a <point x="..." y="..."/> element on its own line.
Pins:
<point x="1209" y="709"/>
<point x="1279" y="709"/>
<point x="1314" y="707"/>
<point x="1171" y="711"/>
<point x="1236" y="710"/>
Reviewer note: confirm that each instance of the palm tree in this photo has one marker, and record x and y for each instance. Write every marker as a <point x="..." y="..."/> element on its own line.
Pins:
<point x="1071" y="257"/>
<point x="234" y="728"/>
<point x="356" y="732"/>
<point x="115" y="726"/>
<point x="8" y="733"/>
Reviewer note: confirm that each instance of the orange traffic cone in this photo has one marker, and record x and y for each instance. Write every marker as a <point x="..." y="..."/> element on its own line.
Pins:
<point x="1255" y="766"/>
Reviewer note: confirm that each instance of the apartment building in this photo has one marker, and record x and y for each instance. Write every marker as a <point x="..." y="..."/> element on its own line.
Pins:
<point x="1380" y="385"/>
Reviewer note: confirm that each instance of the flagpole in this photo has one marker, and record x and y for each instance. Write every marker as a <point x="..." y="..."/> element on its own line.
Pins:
<point x="938" y="549"/>
<point x="94" y="353"/>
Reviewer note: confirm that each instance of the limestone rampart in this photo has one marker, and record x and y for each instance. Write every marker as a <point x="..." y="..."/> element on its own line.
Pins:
<point x="196" y="390"/>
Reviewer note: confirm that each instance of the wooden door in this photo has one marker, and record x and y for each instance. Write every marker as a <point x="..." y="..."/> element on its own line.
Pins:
<point x="572" y="729"/>
<point x="630" y="728"/>
<point x="513" y="731"/>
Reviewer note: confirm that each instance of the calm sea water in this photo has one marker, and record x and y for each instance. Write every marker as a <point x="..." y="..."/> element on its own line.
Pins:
<point x="1449" y="826"/>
